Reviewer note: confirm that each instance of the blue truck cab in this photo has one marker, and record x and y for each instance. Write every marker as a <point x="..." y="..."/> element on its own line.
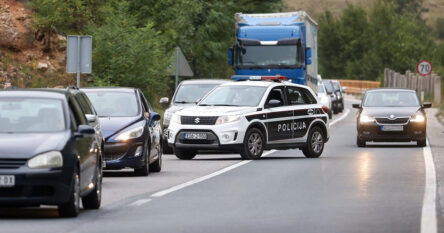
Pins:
<point x="276" y="44"/>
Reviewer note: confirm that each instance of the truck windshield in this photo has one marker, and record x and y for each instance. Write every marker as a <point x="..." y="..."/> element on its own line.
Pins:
<point x="268" y="56"/>
<point x="234" y="96"/>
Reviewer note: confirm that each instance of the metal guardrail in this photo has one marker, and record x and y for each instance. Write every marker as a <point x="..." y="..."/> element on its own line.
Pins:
<point x="357" y="87"/>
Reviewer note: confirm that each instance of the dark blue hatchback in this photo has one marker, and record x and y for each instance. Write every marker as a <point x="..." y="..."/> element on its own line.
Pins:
<point x="131" y="129"/>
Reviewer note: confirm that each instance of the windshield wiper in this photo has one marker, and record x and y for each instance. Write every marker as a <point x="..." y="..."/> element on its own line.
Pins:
<point x="183" y="102"/>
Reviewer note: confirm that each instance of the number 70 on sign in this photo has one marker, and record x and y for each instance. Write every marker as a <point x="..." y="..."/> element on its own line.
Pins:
<point x="424" y="68"/>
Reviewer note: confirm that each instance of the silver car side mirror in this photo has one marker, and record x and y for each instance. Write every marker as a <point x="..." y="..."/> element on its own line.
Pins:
<point x="91" y="118"/>
<point x="164" y="100"/>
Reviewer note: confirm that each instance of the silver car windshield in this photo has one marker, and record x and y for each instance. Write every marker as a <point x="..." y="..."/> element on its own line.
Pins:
<point x="391" y="99"/>
<point x="190" y="93"/>
<point x="31" y="115"/>
<point x="234" y="96"/>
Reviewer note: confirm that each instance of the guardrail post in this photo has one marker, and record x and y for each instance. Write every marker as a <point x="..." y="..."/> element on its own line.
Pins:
<point x="437" y="90"/>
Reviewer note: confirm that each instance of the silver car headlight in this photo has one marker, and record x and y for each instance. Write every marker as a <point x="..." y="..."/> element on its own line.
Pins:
<point x="227" y="119"/>
<point x="131" y="133"/>
<point x="366" y="119"/>
<point x="52" y="159"/>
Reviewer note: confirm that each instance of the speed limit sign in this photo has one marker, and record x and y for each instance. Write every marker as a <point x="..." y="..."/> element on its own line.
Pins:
<point x="424" y="68"/>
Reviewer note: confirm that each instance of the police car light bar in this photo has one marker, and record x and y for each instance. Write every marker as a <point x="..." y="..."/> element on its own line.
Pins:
<point x="258" y="78"/>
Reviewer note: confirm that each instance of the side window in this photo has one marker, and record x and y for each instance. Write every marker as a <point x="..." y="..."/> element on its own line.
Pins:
<point x="84" y="105"/>
<point x="298" y="96"/>
<point x="145" y="104"/>
<point x="277" y="93"/>
<point x="78" y="114"/>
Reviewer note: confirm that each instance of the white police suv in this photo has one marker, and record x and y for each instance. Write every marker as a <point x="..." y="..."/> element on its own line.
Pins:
<point x="254" y="114"/>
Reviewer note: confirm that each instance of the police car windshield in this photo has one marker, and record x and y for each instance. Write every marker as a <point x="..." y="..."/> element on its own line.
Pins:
<point x="234" y="96"/>
<point x="391" y="99"/>
<point x="190" y="93"/>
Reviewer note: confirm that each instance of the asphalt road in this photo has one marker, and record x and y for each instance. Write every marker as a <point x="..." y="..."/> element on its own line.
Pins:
<point x="379" y="188"/>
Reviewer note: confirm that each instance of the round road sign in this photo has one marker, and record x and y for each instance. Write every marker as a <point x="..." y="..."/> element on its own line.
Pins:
<point x="424" y="68"/>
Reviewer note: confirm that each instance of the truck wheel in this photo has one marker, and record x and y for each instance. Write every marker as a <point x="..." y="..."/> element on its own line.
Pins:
<point x="315" y="143"/>
<point x="421" y="143"/>
<point x="72" y="207"/>
<point x="359" y="142"/>
<point x="93" y="200"/>
<point x="253" y="145"/>
<point x="185" y="154"/>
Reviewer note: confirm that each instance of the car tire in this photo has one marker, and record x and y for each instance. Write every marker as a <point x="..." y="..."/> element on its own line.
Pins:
<point x="93" y="200"/>
<point x="185" y="154"/>
<point x="421" y="143"/>
<point x="145" y="169"/>
<point x="157" y="165"/>
<point x="335" y="109"/>
<point x="315" y="143"/>
<point x="71" y="208"/>
<point x="166" y="149"/>
<point x="330" y="114"/>
<point x="359" y="142"/>
<point x="253" y="145"/>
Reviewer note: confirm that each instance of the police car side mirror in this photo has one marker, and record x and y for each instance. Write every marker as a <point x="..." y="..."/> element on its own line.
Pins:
<point x="273" y="103"/>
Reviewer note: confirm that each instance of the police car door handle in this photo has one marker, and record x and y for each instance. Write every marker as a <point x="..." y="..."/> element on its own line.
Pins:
<point x="310" y="111"/>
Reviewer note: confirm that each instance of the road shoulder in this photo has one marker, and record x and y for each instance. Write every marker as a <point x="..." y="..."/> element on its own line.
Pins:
<point x="435" y="134"/>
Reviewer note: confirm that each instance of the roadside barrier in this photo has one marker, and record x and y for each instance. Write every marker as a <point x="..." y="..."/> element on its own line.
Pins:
<point x="425" y="86"/>
<point x="357" y="87"/>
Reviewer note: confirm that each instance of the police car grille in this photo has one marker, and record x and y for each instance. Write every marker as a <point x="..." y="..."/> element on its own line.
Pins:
<point x="384" y="120"/>
<point x="201" y="120"/>
<point x="12" y="163"/>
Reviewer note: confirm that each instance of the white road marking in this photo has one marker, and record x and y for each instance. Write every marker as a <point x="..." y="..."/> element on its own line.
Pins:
<point x="342" y="117"/>
<point x="203" y="178"/>
<point x="223" y="170"/>
<point x="428" y="215"/>
<point x="140" y="202"/>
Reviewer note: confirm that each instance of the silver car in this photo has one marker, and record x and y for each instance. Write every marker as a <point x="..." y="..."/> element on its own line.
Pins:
<point x="325" y="98"/>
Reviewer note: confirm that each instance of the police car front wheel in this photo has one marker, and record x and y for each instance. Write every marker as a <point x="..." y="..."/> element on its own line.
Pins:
<point x="315" y="143"/>
<point x="185" y="154"/>
<point x="253" y="144"/>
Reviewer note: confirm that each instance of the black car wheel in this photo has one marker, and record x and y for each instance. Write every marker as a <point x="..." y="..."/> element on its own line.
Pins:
<point x="94" y="199"/>
<point x="330" y="114"/>
<point x="185" y="154"/>
<point x="335" y="109"/>
<point x="157" y="165"/>
<point x="166" y="149"/>
<point x="72" y="207"/>
<point x="315" y="143"/>
<point x="145" y="169"/>
<point x="359" y="142"/>
<point x="421" y="143"/>
<point x="253" y="145"/>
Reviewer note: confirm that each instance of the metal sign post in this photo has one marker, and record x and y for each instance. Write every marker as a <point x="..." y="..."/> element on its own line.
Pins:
<point x="79" y="56"/>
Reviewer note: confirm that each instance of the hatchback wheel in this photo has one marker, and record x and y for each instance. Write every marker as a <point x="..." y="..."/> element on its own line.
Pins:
<point x="72" y="207"/>
<point x="94" y="199"/>
<point x="145" y="169"/>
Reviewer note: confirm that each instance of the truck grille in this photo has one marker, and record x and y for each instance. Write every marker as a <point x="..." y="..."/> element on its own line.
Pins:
<point x="12" y="163"/>
<point x="384" y="120"/>
<point x="201" y="120"/>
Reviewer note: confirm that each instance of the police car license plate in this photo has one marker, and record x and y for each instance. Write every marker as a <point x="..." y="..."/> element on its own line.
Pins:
<point x="195" y="136"/>
<point x="392" y="128"/>
<point x="7" y="181"/>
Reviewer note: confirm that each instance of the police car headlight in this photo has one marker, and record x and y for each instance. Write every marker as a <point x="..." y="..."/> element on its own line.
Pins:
<point x="366" y="119"/>
<point x="176" y="118"/>
<point x="418" y="117"/>
<point x="227" y="119"/>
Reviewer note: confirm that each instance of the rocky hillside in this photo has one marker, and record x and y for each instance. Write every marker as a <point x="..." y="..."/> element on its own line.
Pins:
<point x="22" y="49"/>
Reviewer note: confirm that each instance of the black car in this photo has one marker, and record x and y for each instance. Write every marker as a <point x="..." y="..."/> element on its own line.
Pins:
<point x="335" y="98"/>
<point x="49" y="155"/>
<point x="391" y="115"/>
<point x="339" y="94"/>
<point x="187" y="94"/>
<point x="131" y="129"/>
